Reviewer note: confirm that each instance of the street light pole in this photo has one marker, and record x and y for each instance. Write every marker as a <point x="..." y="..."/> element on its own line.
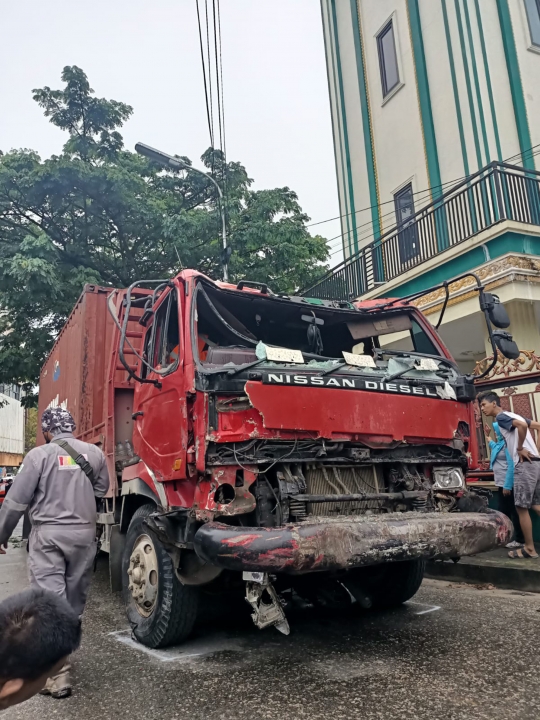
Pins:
<point x="175" y="163"/>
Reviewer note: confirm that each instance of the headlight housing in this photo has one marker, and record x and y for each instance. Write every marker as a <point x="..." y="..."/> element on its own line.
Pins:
<point x="448" y="478"/>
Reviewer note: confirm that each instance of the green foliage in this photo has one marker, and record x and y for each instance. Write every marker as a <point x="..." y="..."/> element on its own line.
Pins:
<point x="30" y="429"/>
<point x="99" y="213"/>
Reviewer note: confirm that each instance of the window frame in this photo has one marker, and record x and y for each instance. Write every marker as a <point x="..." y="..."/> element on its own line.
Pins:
<point x="389" y="26"/>
<point x="406" y="253"/>
<point x="531" y="6"/>
<point x="173" y="296"/>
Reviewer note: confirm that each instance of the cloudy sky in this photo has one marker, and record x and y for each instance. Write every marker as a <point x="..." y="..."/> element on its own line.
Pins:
<point x="146" y="53"/>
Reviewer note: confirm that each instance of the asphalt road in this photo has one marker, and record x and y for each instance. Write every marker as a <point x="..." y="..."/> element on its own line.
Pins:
<point x="457" y="652"/>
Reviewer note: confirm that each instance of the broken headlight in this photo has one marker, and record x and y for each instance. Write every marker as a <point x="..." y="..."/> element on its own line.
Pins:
<point x="448" y="478"/>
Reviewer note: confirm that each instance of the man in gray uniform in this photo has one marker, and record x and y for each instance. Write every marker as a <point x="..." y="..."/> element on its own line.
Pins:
<point x="61" y="499"/>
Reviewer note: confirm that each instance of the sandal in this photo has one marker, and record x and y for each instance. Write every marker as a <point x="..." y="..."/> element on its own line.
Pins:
<point x="521" y="554"/>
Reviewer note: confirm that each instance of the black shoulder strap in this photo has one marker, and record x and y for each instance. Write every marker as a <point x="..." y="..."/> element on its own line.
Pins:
<point x="81" y="461"/>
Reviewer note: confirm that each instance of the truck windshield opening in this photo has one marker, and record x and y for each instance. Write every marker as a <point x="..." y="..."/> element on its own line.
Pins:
<point x="230" y="325"/>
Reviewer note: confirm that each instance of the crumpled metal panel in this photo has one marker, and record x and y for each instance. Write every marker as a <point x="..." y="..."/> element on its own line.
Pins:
<point x="341" y="543"/>
<point x="378" y="419"/>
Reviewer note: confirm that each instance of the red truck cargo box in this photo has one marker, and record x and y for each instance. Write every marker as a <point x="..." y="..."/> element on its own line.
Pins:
<point x="76" y="372"/>
<point x="83" y="373"/>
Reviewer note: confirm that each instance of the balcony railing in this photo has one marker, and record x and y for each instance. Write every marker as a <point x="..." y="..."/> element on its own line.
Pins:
<point x="496" y="193"/>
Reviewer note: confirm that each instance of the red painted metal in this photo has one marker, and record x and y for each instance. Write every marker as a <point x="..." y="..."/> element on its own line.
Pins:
<point x="84" y="372"/>
<point x="76" y="372"/>
<point x="160" y="433"/>
<point x="373" y="418"/>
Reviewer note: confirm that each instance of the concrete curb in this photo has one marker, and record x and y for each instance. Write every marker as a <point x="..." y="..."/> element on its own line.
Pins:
<point x="500" y="576"/>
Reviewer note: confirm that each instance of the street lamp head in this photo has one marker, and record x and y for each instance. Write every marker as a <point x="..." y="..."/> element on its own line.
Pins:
<point x="175" y="163"/>
<point x="160" y="157"/>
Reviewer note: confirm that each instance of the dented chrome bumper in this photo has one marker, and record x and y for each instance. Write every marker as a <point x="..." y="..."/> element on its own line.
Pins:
<point x="340" y="543"/>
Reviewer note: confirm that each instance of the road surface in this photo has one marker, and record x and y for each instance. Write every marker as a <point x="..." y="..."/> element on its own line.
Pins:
<point x="457" y="652"/>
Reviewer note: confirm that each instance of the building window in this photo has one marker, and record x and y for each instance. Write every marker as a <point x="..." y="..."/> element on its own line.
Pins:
<point x="386" y="45"/>
<point x="12" y="391"/>
<point x="407" y="234"/>
<point x="533" y="15"/>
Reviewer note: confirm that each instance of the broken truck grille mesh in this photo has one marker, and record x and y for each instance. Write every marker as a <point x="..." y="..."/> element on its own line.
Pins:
<point x="324" y="480"/>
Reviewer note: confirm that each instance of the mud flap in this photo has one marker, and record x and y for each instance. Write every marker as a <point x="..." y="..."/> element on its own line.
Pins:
<point x="118" y="543"/>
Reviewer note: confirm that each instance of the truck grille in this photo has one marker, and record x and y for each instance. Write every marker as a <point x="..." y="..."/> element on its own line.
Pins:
<point x="325" y="480"/>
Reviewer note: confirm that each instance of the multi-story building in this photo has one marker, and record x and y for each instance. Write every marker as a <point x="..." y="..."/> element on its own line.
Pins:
<point x="11" y="428"/>
<point x="436" y="119"/>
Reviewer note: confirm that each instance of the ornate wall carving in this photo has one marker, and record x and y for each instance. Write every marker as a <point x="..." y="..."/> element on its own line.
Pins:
<point x="510" y="268"/>
<point x="527" y="362"/>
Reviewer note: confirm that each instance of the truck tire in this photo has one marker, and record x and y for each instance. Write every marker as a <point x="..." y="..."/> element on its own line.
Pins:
<point x="385" y="586"/>
<point x="399" y="583"/>
<point x="160" y="610"/>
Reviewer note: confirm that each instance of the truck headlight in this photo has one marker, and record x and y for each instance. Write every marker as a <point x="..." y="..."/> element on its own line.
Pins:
<point x="448" y="478"/>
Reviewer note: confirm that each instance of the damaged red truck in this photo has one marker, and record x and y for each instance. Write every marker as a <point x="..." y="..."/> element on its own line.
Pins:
<point x="268" y="444"/>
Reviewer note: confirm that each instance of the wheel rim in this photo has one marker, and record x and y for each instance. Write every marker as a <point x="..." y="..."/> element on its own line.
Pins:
<point x="143" y="575"/>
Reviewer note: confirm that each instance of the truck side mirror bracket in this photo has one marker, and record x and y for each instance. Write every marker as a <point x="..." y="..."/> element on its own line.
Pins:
<point x="506" y="344"/>
<point x="495" y="309"/>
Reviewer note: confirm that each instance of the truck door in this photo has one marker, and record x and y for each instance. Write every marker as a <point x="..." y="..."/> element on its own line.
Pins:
<point x="160" y="427"/>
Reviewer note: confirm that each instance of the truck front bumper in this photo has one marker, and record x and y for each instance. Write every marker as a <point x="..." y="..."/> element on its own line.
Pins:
<point x="340" y="543"/>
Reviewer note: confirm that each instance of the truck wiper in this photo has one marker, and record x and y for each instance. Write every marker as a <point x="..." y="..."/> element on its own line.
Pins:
<point x="441" y="372"/>
<point x="231" y="372"/>
<point x="398" y="374"/>
<point x="412" y="353"/>
<point x="335" y="367"/>
<point x="241" y="368"/>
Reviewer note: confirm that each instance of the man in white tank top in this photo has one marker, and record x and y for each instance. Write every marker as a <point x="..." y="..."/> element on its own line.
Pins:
<point x="526" y="456"/>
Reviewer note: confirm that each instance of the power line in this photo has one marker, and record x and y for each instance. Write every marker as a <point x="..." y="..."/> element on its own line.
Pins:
<point x="372" y="235"/>
<point x="216" y="61"/>
<point x="221" y="88"/>
<point x="209" y="66"/>
<point x="429" y="189"/>
<point x="386" y="202"/>
<point x="206" y="93"/>
<point x="382" y="217"/>
<point x="212" y="66"/>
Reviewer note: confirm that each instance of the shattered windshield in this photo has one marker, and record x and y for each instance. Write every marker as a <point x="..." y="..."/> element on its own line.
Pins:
<point x="238" y="329"/>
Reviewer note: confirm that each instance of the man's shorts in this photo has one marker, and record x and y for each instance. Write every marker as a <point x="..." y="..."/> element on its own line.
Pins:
<point x="527" y="484"/>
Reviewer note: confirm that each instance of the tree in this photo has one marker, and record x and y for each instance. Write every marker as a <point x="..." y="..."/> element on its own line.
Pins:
<point x="30" y="429"/>
<point x="99" y="213"/>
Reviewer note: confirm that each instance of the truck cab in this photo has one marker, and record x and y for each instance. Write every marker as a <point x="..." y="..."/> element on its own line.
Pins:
<point x="281" y="443"/>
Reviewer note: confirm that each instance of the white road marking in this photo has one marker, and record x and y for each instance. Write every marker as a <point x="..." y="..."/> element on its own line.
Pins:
<point x="185" y="653"/>
<point x="430" y="608"/>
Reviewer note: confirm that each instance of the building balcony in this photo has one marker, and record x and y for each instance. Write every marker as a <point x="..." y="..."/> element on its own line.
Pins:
<point x="492" y="213"/>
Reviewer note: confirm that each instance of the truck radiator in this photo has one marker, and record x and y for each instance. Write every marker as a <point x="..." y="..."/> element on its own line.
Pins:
<point x="325" y="480"/>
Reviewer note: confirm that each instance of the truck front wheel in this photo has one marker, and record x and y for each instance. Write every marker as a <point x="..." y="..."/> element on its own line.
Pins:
<point x="160" y="610"/>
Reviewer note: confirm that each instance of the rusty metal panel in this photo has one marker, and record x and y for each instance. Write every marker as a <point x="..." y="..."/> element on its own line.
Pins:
<point x="75" y="373"/>
<point x="342" y="543"/>
<point x="322" y="480"/>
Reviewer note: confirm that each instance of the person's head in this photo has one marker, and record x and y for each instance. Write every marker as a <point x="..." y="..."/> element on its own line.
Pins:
<point x="55" y="421"/>
<point x="38" y="631"/>
<point x="490" y="404"/>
